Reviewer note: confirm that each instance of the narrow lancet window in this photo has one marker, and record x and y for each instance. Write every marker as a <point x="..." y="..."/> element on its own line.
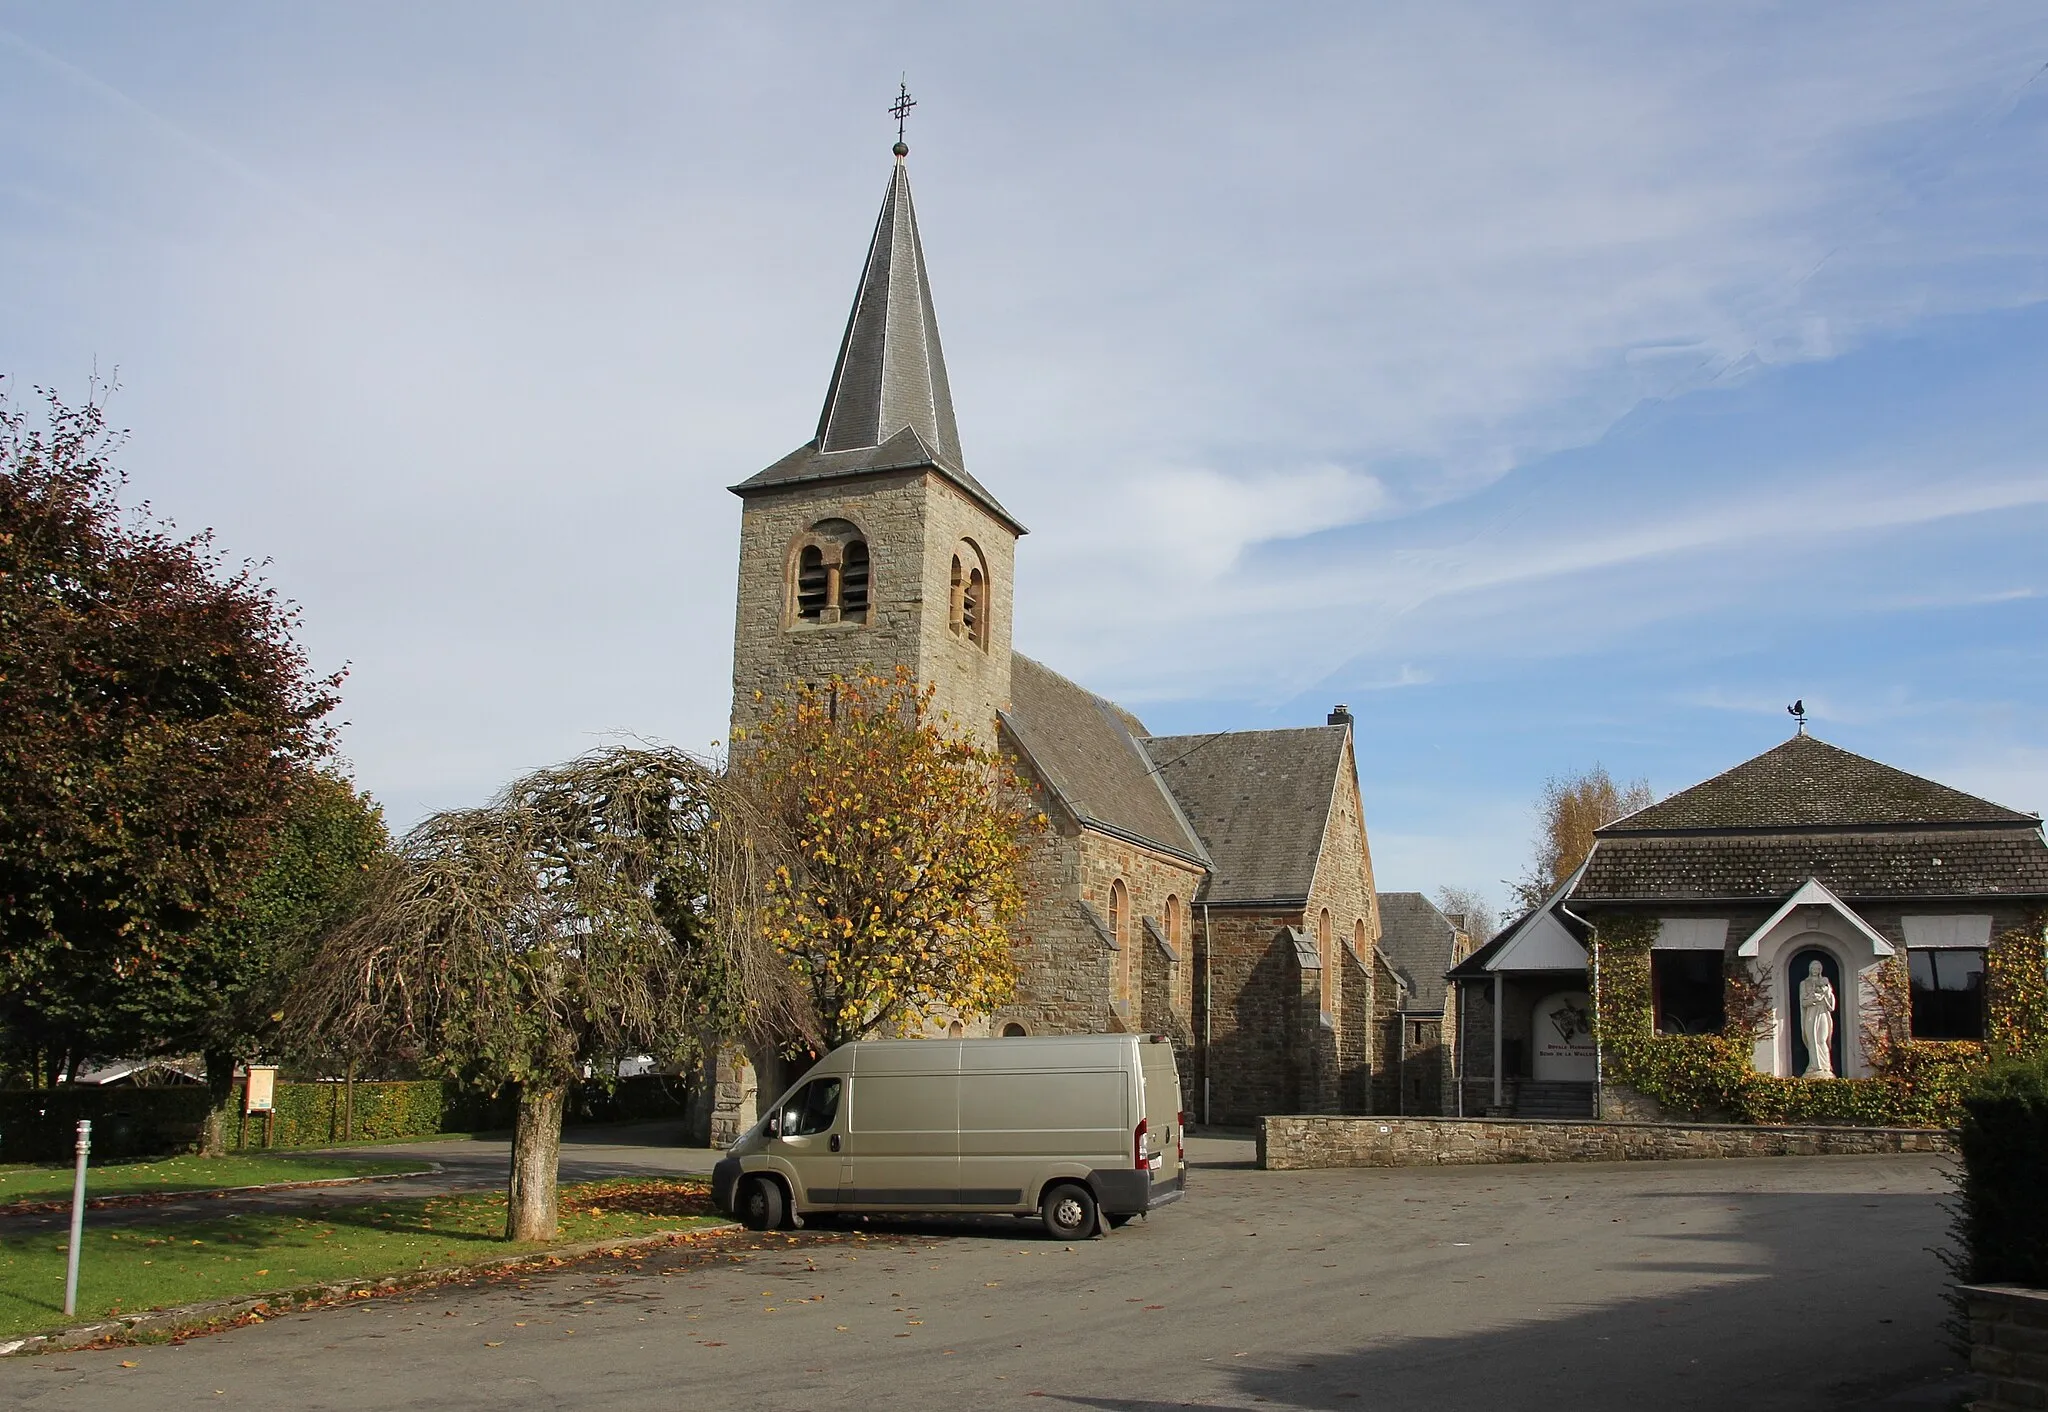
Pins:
<point x="812" y="583"/>
<point x="853" y="582"/>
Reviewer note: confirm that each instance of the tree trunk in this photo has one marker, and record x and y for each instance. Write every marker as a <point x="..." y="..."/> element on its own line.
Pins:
<point x="220" y="1088"/>
<point x="348" y="1107"/>
<point x="536" y="1159"/>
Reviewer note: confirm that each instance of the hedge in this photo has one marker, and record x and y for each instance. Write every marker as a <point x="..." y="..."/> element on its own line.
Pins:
<point x="1915" y="1083"/>
<point x="2003" y="1220"/>
<point x="39" y="1125"/>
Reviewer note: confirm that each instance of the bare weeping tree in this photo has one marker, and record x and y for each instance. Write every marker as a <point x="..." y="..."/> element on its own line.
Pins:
<point x="596" y="909"/>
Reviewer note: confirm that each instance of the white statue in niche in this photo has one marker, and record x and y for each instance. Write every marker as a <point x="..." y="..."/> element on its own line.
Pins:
<point x="1817" y="1022"/>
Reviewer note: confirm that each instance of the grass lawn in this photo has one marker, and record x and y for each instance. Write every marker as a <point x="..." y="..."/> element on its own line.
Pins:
<point x="179" y="1262"/>
<point x="51" y="1182"/>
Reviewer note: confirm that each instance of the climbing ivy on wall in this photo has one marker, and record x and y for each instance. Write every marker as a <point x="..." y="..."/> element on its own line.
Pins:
<point x="1917" y="1083"/>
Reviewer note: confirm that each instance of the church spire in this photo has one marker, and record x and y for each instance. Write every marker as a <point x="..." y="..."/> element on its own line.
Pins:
<point x="891" y="373"/>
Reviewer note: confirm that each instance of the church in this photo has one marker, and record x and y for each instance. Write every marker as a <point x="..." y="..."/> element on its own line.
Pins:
<point x="1217" y="889"/>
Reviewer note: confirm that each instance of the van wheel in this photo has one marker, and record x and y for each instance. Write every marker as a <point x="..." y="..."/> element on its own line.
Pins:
<point x="761" y="1204"/>
<point x="1068" y="1212"/>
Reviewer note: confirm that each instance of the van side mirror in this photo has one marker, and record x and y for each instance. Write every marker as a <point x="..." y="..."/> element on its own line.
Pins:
<point x="774" y="1128"/>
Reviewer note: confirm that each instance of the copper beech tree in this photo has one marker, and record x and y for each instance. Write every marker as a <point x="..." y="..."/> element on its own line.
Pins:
<point x="893" y="850"/>
<point x="155" y="716"/>
<point x="580" y="917"/>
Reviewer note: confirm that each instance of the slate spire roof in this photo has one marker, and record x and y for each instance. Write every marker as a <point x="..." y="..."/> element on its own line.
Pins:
<point x="889" y="406"/>
<point x="891" y="372"/>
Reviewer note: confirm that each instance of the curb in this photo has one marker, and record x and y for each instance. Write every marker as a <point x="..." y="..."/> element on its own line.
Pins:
<point x="163" y="1198"/>
<point x="255" y="1308"/>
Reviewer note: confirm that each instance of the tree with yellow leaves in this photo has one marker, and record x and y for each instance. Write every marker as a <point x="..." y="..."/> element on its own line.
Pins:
<point x="892" y="851"/>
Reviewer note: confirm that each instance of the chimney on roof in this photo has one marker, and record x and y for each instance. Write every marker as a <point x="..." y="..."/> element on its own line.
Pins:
<point x="1341" y="716"/>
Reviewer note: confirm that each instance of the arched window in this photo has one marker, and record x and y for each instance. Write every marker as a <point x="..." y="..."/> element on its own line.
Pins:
<point x="853" y="582"/>
<point x="956" y="1030"/>
<point x="810" y="582"/>
<point x="969" y="609"/>
<point x="973" y="618"/>
<point x="1173" y="939"/>
<point x="1327" y="949"/>
<point x="832" y="575"/>
<point x="1119" y="917"/>
<point x="1013" y="1030"/>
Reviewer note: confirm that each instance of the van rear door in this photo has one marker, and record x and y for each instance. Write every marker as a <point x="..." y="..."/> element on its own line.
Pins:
<point x="1162" y="1109"/>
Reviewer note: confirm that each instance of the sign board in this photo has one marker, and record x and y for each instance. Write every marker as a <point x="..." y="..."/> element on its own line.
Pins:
<point x="260" y="1094"/>
<point x="1561" y="1026"/>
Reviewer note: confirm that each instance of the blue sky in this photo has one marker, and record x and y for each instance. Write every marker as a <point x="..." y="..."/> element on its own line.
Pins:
<point x="1552" y="387"/>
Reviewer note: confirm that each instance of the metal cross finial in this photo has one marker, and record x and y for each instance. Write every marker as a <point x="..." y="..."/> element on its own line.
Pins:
<point x="1797" y="711"/>
<point x="900" y="109"/>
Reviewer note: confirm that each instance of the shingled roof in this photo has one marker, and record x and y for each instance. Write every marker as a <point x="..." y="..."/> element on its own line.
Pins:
<point x="1807" y="809"/>
<point x="1418" y="941"/>
<point x="1087" y="749"/>
<point x="889" y="406"/>
<point x="1807" y="783"/>
<point x="1260" y="801"/>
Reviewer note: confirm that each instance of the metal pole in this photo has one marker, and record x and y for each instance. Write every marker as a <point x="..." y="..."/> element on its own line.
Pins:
<point x="77" y="1217"/>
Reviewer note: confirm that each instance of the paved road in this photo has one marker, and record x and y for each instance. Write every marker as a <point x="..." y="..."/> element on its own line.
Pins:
<point x="1801" y="1283"/>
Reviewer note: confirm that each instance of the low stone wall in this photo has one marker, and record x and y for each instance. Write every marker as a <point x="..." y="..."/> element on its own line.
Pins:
<point x="2008" y="1346"/>
<point x="1295" y="1143"/>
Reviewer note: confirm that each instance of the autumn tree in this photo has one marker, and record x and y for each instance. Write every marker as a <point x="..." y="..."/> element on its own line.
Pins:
<point x="574" y="920"/>
<point x="154" y="715"/>
<point x="894" y="852"/>
<point x="1572" y="807"/>
<point x="1468" y="911"/>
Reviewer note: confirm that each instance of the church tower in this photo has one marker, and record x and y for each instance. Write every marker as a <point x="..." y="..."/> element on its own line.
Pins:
<point x="870" y="546"/>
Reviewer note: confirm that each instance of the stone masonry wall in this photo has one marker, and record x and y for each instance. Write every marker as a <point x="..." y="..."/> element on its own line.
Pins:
<point x="1354" y="1041"/>
<point x="1296" y="1143"/>
<point x="1255" y="984"/>
<point x="912" y="522"/>
<point x="1385" y="1030"/>
<point x="2008" y="1346"/>
<point x="1067" y="972"/>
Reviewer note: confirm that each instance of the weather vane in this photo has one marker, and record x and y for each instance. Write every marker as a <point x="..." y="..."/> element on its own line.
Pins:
<point x="900" y="109"/>
<point x="1797" y="711"/>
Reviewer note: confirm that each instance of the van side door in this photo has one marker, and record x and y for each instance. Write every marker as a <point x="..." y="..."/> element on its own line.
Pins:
<point x="904" y="1140"/>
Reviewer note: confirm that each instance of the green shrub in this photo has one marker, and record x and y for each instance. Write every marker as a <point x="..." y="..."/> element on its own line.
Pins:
<point x="2003" y="1220"/>
<point x="39" y="1125"/>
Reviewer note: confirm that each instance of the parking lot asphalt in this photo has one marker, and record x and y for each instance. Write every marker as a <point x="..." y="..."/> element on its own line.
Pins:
<point x="1790" y="1283"/>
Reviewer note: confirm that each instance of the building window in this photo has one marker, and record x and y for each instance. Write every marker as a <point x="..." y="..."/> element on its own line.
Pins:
<point x="1687" y="991"/>
<point x="1013" y="1030"/>
<point x="1948" y="994"/>
<point x="832" y="575"/>
<point x="968" y="614"/>
<point x="1119" y="909"/>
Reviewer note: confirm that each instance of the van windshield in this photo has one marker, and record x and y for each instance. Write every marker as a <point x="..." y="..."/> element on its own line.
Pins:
<point x="811" y="1109"/>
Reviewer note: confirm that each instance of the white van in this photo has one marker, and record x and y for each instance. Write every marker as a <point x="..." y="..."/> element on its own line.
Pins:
<point x="1082" y="1130"/>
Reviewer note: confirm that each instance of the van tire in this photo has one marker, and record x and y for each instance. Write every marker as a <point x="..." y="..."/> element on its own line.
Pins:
<point x="1068" y="1211"/>
<point x="761" y="1204"/>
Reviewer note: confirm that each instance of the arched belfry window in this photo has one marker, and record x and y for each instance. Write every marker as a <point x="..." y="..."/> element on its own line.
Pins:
<point x="833" y="575"/>
<point x="969" y="613"/>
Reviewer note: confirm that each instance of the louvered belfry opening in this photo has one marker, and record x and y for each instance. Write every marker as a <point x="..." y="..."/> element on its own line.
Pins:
<point x="853" y="582"/>
<point x="813" y="584"/>
<point x="971" y="618"/>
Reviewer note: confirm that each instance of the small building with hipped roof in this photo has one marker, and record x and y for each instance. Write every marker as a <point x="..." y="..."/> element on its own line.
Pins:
<point x="1828" y="907"/>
